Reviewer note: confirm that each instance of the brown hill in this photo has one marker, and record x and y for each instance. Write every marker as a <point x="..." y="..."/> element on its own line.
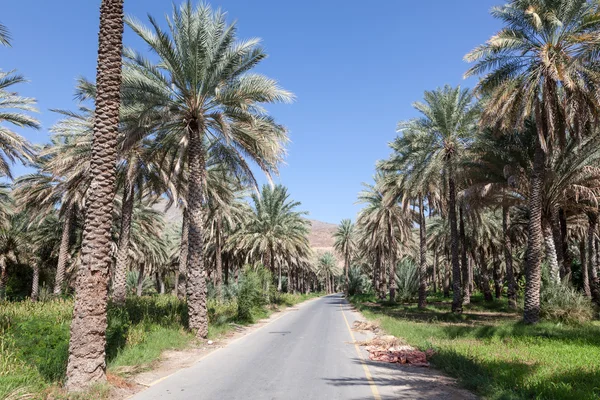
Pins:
<point x="321" y="236"/>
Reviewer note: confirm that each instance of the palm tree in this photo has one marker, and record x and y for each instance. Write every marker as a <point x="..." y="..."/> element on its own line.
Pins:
<point x="4" y="36"/>
<point x="274" y="232"/>
<point x="201" y="97"/>
<point x="437" y="140"/>
<point x="87" y="364"/>
<point x="345" y="245"/>
<point x="12" y="145"/>
<point x="327" y="268"/>
<point x="412" y="183"/>
<point x="385" y="224"/>
<point x="541" y="65"/>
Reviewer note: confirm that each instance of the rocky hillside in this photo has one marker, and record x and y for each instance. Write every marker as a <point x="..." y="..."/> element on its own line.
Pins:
<point x="321" y="235"/>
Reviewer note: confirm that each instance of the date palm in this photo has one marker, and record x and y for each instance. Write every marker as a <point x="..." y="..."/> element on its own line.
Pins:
<point x="14" y="110"/>
<point x="274" y="232"/>
<point x="345" y="245"/>
<point x="87" y="346"/>
<point x="203" y="87"/>
<point x="385" y="224"/>
<point x="541" y="65"/>
<point x="4" y="35"/>
<point x="437" y="139"/>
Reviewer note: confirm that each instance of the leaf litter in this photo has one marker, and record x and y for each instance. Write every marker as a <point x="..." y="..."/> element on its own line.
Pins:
<point x="390" y="349"/>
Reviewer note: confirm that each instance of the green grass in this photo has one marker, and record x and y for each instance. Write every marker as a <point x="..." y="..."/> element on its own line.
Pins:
<point x="34" y="338"/>
<point x="495" y="355"/>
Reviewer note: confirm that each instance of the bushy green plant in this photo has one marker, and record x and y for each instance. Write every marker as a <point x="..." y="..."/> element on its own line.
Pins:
<point x="250" y="295"/>
<point x="407" y="278"/>
<point x="132" y="284"/>
<point x="561" y="302"/>
<point x="358" y="282"/>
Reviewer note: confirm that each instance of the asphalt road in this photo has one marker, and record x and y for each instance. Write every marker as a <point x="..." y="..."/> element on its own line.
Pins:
<point x="307" y="353"/>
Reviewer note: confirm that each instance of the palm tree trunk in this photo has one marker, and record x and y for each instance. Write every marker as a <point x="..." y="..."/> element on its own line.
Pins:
<point x="594" y="279"/>
<point x="346" y="268"/>
<point x="497" y="276"/>
<point x="466" y="281"/>
<point x="375" y="282"/>
<point x="382" y="278"/>
<point x="422" y="255"/>
<point x="218" y="257"/>
<point x="592" y="267"/>
<point x="485" y="277"/>
<point x="510" y="274"/>
<point x="180" y="282"/>
<point x="392" y="270"/>
<point x="196" y="270"/>
<point x="551" y="253"/>
<point x="140" y="281"/>
<point x="120" y="279"/>
<point x="3" y="278"/>
<point x="63" y="252"/>
<point x="279" y="287"/>
<point x="161" y="282"/>
<point x="35" y="285"/>
<point x="435" y="271"/>
<point x="584" y="269"/>
<point x="568" y="258"/>
<point x="533" y="273"/>
<point x="87" y="346"/>
<point x="558" y="245"/>
<point x="226" y="270"/>
<point x="456" y="285"/>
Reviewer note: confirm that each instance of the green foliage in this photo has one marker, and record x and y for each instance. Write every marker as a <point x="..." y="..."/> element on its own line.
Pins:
<point x="407" y="278"/>
<point x="495" y="355"/>
<point x="34" y="338"/>
<point x="561" y="302"/>
<point x="358" y="282"/>
<point x="251" y="295"/>
<point x="132" y="284"/>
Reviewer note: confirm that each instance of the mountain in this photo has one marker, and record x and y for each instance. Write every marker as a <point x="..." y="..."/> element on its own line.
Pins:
<point x="321" y="235"/>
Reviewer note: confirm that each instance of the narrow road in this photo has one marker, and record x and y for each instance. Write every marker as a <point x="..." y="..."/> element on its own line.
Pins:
<point x="307" y="353"/>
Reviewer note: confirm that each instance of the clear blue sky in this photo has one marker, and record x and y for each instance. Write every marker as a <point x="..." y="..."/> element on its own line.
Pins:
<point x="355" y="68"/>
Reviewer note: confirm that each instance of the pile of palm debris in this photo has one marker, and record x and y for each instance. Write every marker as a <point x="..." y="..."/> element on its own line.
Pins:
<point x="391" y="349"/>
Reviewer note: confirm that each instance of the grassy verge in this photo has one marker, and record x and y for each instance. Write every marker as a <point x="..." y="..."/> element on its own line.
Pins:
<point x="34" y="339"/>
<point x="491" y="353"/>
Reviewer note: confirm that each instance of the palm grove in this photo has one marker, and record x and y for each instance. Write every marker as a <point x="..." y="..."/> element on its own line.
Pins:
<point x="494" y="189"/>
<point x="182" y="132"/>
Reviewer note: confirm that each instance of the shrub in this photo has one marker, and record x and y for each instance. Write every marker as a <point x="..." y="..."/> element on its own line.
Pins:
<point x="250" y="295"/>
<point x="358" y="282"/>
<point x="407" y="278"/>
<point x="561" y="302"/>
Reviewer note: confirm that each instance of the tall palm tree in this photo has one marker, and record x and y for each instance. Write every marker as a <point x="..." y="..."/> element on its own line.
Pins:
<point x="437" y="139"/>
<point x="541" y="65"/>
<point x="87" y="363"/>
<point x="385" y="223"/>
<point x="274" y="231"/>
<point x="345" y="245"/>
<point x="327" y="268"/>
<point x="412" y="180"/>
<point x="202" y="86"/>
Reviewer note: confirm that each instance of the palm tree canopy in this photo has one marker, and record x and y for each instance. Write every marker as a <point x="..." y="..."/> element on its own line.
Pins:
<point x="202" y="81"/>
<point x="546" y="50"/>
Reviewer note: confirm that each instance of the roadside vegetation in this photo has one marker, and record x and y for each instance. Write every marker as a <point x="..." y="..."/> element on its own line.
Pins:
<point x="492" y="353"/>
<point x="485" y="213"/>
<point x="34" y="336"/>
